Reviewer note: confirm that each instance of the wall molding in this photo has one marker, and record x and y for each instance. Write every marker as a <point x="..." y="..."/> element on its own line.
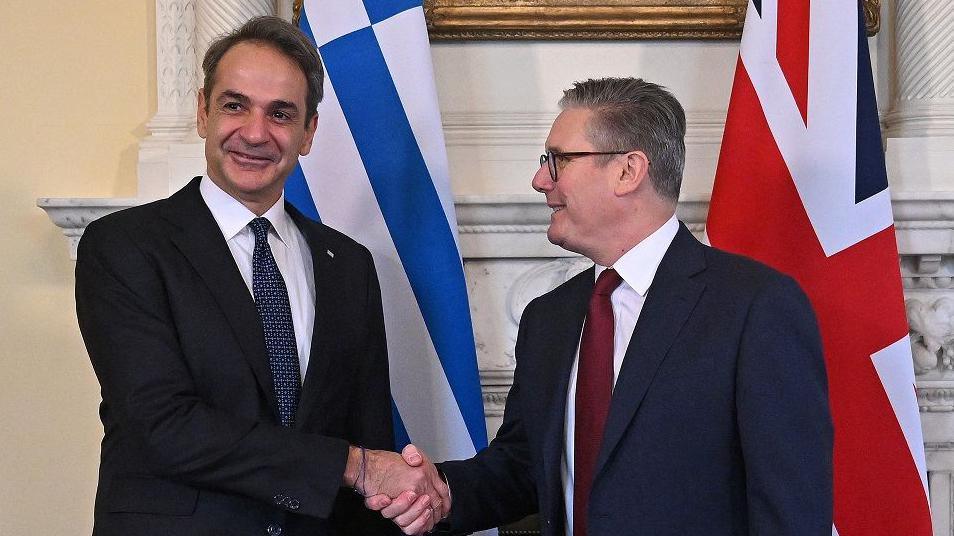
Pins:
<point x="465" y="129"/>
<point x="506" y="235"/>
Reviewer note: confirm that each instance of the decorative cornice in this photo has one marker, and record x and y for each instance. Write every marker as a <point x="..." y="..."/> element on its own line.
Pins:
<point x="936" y="400"/>
<point x="925" y="221"/>
<point x="72" y="215"/>
<point x="467" y="129"/>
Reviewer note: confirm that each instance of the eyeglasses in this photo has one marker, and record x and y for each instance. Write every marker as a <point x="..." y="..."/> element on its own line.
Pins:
<point x="550" y="157"/>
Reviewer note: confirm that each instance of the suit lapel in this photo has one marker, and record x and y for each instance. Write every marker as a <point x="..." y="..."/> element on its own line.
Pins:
<point x="557" y="351"/>
<point x="328" y="300"/>
<point x="669" y="302"/>
<point x="198" y="237"/>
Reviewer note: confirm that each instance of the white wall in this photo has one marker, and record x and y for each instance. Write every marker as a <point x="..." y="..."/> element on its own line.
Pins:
<point x="517" y="84"/>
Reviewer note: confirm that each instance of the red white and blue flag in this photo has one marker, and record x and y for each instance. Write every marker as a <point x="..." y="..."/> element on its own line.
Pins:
<point x="801" y="186"/>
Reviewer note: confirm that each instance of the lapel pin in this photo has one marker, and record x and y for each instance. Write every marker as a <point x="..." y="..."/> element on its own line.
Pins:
<point x="330" y="254"/>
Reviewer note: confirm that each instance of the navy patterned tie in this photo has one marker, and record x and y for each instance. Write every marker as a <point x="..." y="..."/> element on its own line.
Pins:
<point x="271" y="300"/>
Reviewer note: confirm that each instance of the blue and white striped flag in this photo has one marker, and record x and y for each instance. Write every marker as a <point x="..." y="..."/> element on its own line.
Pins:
<point x="378" y="172"/>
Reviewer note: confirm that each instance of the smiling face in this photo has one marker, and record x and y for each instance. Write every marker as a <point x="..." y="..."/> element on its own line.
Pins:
<point x="254" y="124"/>
<point x="583" y="201"/>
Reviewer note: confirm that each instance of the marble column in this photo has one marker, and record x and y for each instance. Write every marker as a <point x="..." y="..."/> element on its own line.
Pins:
<point x="217" y="17"/>
<point x="184" y="29"/>
<point x="176" y="93"/>
<point x="920" y="122"/>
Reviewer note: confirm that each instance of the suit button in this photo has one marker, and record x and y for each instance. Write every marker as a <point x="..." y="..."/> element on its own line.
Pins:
<point x="273" y="529"/>
<point x="294" y="504"/>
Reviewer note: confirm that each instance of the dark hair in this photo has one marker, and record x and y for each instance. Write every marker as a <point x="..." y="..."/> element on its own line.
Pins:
<point x="630" y="114"/>
<point x="283" y="37"/>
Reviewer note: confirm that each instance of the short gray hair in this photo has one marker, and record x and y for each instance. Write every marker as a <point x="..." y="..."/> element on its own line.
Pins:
<point x="282" y="36"/>
<point x="631" y="114"/>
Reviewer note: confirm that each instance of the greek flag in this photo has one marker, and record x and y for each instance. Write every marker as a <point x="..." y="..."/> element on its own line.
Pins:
<point x="378" y="172"/>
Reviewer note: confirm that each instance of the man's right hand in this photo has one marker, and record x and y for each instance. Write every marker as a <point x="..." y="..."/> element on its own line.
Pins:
<point x="412" y="509"/>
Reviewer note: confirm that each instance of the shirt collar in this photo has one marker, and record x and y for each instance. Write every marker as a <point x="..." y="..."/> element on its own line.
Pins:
<point x="638" y="266"/>
<point x="232" y="216"/>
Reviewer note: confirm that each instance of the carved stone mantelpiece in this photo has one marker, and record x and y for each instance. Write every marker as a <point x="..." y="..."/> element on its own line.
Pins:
<point x="508" y="261"/>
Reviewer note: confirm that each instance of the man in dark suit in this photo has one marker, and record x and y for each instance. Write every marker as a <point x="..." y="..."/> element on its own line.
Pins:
<point x="240" y="347"/>
<point x="673" y="389"/>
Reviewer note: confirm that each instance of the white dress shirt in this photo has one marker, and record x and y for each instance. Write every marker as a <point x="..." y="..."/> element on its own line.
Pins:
<point x="291" y="252"/>
<point x="637" y="267"/>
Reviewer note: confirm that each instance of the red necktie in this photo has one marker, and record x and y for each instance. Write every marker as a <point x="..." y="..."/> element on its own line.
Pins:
<point x="594" y="389"/>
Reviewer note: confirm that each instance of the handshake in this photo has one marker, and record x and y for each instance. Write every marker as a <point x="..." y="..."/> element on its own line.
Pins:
<point x="405" y="488"/>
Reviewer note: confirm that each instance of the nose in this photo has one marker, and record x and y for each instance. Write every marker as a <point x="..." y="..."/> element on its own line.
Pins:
<point x="542" y="182"/>
<point x="255" y="129"/>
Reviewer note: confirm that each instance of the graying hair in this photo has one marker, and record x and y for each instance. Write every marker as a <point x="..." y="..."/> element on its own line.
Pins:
<point x="284" y="37"/>
<point x="632" y="114"/>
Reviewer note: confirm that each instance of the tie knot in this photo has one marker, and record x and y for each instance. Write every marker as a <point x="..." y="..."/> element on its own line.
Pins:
<point x="260" y="227"/>
<point x="607" y="282"/>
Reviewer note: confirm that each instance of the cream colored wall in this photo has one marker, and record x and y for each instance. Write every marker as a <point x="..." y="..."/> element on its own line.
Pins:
<point x="76" y="82"/>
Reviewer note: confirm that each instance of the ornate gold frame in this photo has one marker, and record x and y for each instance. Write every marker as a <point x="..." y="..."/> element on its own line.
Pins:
<point x="593" y="19"/>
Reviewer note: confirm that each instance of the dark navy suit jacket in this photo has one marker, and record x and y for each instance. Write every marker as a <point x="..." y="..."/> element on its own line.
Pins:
<point x="719" y="422"/>
<point x="193" y="444"/>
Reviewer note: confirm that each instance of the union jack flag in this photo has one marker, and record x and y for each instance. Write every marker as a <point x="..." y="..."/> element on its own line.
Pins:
<point x="801" y="186"/>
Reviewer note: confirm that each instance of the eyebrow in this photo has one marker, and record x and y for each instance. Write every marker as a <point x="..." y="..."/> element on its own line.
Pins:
<point x="278" y="104"/>
<point x="228" y="94"/>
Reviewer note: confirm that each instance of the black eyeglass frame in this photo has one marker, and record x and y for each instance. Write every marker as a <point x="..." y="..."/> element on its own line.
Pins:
<point x="549" y="158"/>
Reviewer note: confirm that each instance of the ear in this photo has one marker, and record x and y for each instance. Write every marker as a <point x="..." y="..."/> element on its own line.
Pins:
<point x="201" y="114"/>
<point x="309" y="138"/>
<point x="635" y="173"/>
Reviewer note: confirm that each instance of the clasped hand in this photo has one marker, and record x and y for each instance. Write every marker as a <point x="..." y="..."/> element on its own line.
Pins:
<point x="405" y="488"/>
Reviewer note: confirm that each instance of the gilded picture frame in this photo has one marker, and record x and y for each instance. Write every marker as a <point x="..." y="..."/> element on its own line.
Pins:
<point x="463" y="20"/>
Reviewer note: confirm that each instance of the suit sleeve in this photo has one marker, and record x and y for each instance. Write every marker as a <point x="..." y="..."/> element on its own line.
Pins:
<point x="147" y="388"/>
<point x="497" y="486"/>
<point x="783" y="415"/>
<point x="371" y="417"/>
<point x="371" y="421"/>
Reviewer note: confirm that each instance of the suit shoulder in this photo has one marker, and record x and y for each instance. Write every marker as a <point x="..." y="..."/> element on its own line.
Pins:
<point x="120" y="225"/>
<point x="745" y="276"/>
<point x="740" y="267"/>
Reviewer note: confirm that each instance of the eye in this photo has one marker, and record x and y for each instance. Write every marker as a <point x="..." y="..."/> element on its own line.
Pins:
<point x="232" y="106"/>
<point x="280" y="115"/>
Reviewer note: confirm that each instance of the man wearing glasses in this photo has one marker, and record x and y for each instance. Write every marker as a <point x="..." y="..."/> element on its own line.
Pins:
<point x="670" y="389"/>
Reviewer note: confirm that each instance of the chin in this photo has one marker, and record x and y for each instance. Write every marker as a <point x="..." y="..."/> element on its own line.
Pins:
<point x="252" y="181"/>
